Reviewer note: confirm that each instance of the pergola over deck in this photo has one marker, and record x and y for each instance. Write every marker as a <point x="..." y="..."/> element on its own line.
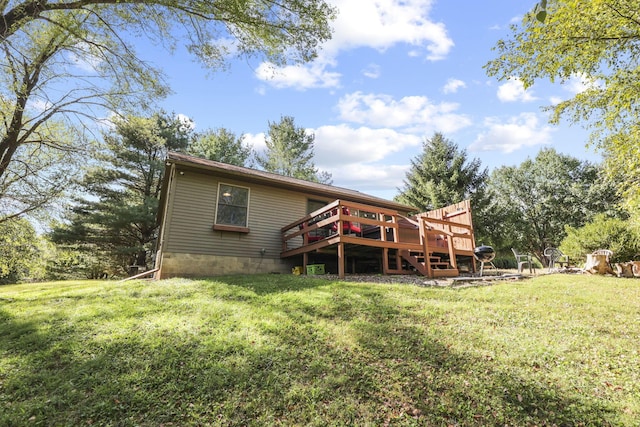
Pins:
<point x="429" y="243"/>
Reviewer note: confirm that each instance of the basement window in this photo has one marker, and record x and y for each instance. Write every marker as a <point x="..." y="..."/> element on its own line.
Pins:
<point x="232" y="208"/>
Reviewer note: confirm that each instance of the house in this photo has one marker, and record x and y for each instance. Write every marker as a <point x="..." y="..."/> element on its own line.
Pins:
<point x="218" y="219"/>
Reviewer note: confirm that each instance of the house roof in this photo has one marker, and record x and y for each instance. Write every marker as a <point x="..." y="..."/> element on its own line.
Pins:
<point x="275" y="180"/>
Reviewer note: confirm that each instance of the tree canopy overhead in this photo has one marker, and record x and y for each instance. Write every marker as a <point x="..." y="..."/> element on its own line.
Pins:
<point x="598" y="42"/>
<point x="67" y="64"/>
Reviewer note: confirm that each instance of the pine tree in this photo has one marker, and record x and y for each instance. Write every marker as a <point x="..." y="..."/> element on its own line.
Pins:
<point x="290" y="152"/>
<point x="441" y="176"/>
<point x="118" y="217"/>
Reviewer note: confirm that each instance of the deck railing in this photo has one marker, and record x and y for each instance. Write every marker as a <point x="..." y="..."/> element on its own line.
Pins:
<point x="430" y="237"/>
<point x="340" y="218"/>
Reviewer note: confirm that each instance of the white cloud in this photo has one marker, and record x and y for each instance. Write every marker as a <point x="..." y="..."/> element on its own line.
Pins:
<point x="524" y="130"/>
<point x="384" y="23"/>
<point x="372" y="71"/>
<point x="297" y="76"/>
<point x="374" y="179"/>
<point x="355" y="156"/>
<point x="579" y="83"/>
<point x="413" y="113"/>
<point x="513" y="90"/>
<point x="342" y="144"/>
<point x="377" y="25"/>
<point x="453" y="85"/>
<point x="185" y="121"/>
<point x="555" y="100"/>
<point x="257" y="141"/>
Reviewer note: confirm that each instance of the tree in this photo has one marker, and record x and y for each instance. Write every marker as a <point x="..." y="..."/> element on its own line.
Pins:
<point x="602" y="232"/>
<point x="19" y="249"/>
<point x="290" y="152"/>
<point x="67" y="64"/>
<point x="119" y="216"/>
<point x="441" y="175"/>
<point x="532" y="203"/>
<point x="221" y="145"/>
<point x="598" y="43"/>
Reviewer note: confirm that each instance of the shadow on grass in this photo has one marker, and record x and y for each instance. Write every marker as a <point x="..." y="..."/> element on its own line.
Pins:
<point x="343" y="358"/>
<point x="264" y="284"/>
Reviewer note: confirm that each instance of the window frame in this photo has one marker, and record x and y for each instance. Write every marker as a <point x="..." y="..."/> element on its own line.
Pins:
<point x="232" y="227"/>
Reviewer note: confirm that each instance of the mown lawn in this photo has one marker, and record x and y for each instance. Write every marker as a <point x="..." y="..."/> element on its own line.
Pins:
<point x="285" y="350"/>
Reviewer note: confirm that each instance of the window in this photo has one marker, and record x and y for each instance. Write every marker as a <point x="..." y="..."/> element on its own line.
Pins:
<point x="232" y="208"/>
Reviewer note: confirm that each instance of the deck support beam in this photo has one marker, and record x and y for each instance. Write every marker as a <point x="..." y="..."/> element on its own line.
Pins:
<point x="341" y="260"/>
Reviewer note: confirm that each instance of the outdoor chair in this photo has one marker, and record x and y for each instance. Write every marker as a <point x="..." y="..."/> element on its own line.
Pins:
<point x="606" y="252"/>
<point x="556" y="256"/>
<point x="348" y="227"/>
<point x="522" y="259"/>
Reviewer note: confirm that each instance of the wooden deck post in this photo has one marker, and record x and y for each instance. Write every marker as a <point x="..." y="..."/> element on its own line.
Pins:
<point x="341" y="260"/>
<point x="305" y="261"/>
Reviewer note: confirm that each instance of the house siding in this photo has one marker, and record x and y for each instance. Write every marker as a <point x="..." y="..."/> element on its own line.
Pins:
<point x="192" y="247"/>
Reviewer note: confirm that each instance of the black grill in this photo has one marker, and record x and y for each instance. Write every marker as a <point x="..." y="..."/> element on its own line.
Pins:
<point x="484" y="253"/>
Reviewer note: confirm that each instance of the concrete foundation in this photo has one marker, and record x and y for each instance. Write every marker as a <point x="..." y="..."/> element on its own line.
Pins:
<point x="198" y="265"/>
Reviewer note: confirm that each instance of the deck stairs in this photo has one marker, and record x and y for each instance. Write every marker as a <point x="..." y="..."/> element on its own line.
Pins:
<point x="434" y="267"/>
<point x="413" y="261"/>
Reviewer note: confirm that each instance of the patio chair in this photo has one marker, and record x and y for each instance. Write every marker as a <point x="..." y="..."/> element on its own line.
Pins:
<point x="556" y="257"/>
<point x="348" y="227"/>
<point x="522" y="259"/>
<point x="606" y="252"/>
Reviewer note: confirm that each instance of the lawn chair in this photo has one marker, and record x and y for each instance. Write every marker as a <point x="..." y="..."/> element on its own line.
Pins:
<point x="556" y="257"/>
<point x="599" y="262"/>
<point x="522" y="259"/>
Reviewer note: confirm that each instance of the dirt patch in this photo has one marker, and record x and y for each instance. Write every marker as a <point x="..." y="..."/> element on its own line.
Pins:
<point x="455" y="282"/>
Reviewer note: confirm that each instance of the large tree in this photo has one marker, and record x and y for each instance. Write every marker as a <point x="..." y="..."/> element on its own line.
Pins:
<point x="221" y="145"/>
<point x="118" y="217"/>
<point x="598" y="42"/>
<point x="290" y="152"/>
<point x="532" y="203"/>
<point x="66" y="64"/>
<point x="442" y="175"/>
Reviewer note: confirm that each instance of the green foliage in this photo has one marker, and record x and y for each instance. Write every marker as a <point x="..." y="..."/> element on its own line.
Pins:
<point x="532" y="203"/>
<point x="221" y="145"/>
<point x="118" y="218"/>
<point x="290" y="152"/>
<point x="441" y="175"/>
<point x="67" y="65"/>
<point x="595" y="42"/>
<point x="299" y="351"/>
<point x="19" y="251"/>
<point x="603" y="232"/>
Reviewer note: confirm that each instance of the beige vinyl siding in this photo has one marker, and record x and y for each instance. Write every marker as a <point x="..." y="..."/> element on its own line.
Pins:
<point x="192" y="218"/>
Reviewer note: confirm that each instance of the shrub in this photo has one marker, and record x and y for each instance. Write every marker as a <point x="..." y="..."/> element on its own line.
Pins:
<point x="603" y="232"/>
<point x="19" y="250"/>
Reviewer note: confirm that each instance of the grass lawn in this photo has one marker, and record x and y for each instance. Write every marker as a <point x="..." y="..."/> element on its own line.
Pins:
<point x="285" y="350"/>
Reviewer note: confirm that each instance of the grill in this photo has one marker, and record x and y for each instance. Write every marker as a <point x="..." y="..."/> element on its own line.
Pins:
<point x="484" y="254"/>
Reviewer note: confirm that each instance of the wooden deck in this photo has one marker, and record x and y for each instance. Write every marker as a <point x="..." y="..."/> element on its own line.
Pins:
<point x="431" y="243"/>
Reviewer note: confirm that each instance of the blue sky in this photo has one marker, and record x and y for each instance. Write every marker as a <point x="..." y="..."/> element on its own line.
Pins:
<point x="394" y="73"/>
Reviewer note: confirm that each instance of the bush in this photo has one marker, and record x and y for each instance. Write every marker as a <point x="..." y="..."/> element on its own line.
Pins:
<point x="616" y="235"/>
<point x="19" y="251"/>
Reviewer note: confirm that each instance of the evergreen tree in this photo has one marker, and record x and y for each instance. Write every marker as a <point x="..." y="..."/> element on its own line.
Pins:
<point x="290" y="152"/>
<point x="221" y="145"/>
<point x="119" y="216"/>
<point x="441" y="176"/>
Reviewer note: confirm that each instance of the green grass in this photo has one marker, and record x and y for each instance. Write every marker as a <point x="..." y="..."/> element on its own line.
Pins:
<point x="285" y="350"/>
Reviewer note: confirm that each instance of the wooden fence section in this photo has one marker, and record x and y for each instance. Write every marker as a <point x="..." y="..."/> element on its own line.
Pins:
<point x="429" y="243"/>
